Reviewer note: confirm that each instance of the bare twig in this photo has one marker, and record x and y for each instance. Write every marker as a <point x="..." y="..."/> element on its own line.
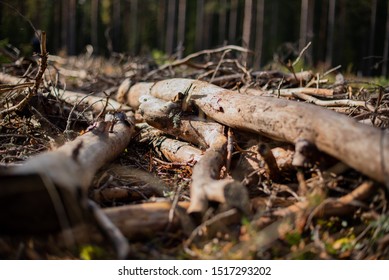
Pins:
<point x="38" y="79"/>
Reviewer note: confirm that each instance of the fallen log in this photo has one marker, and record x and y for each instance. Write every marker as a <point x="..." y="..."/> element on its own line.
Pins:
<point x="173" y="150"/>
<point x="51" y="188"/>
<point x="362" y="147"/>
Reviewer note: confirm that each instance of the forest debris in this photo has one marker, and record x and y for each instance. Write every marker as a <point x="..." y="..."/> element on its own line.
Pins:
<point x="65" y="173"/>
<point x="341" y="206"/>
<point x="37" y="81"/>
<point x="98" y="104"/>
<point x="194" y="55"/>
<point x="333" y="133"/>
<point x="206" y="185"/>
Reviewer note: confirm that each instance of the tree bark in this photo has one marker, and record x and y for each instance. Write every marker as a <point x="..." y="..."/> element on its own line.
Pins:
<point x="170" y="27"/>
<point x="181" y="27"/>
<point x="199" y="25"/>
<point x="386" y="46"/>
<point x="94" y="25"/>
<point x="248" y="7"/>
<point x="331" y="28"/>
<point x="233" y="22"/>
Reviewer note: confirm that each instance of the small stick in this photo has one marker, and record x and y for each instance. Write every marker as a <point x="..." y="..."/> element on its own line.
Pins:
<point x="301" y="54"/>
<point x="38" y="79"/>
<point x="230" y="149"/>
<point x="218" y="65"/>
<point x="271" y="163"/>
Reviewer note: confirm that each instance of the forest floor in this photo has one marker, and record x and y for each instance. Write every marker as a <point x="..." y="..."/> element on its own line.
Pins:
<point x="354" y="226"/>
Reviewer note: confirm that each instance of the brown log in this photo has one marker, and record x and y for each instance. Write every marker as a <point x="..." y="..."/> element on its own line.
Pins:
<point x="362" y="147"/>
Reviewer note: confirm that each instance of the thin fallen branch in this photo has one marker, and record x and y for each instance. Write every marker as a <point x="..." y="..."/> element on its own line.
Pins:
<point x="194" y="55"/>
<point x="332" y="103"/>
<point x="298" y="78"/>
<point x="98" y="104"/>
<point x="338" y="135"/>
<point x="289" y="92"/>
<point x="341" y="206"/>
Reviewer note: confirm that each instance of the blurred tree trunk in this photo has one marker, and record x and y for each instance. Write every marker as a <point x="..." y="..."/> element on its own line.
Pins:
<point x="321" y="48"/>
<point x="386" y="45"/>
<point x="274" y="25"/>
<point x="55" y="28"/>
<point x="222" y="21"/>
<point x="310" y="32"/>
<point x="207" y="32"/>
<point x="259" y="33"/>
<point x="181" y="27"/>
<point x="373" y="19"/>
<point x="331" y="27"/>
<point x="94" y="25"/>
<point x="303" y="24"/>
<point x="248" y="8"/>
<point x="306" y="28"/>
<point x="341" y="31"/>
<point x="116" y="26"/>
<point x="161" y="24"/>
<point x="72" y="35"/>
<point x="170" y="27"/>
<point x="233" y="22"/>
<point x="199" y="25"/>
<point x="133" y="44"/>
<point x="64" y="25"/>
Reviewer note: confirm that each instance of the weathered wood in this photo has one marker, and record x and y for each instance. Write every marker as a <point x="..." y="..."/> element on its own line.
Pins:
<point x="147" y="219"/>
<point x="59" y="179"/>
<point x="206" y="185"/>
<point x="95" y="102"/>
<point x="173" y="150"/>
<point x="362" y="147"/>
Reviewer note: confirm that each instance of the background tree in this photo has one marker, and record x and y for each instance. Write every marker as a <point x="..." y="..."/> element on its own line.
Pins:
<point x="350" y="33"/>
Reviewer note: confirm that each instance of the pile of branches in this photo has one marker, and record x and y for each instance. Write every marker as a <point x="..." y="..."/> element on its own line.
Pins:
<point x="196" y="158"/>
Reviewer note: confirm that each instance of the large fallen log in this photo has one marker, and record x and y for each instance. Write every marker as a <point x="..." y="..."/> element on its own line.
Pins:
<point x="50" y="189"/>
<point x="362" y="147"/>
